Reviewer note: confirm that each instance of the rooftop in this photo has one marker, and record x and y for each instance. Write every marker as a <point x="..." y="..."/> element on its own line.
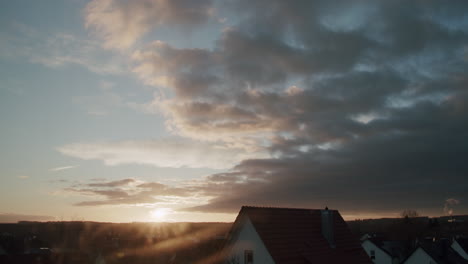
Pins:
<point x="294" y="235"/>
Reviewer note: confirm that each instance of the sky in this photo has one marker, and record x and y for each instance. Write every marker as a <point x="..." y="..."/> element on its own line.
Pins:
<point x="179" y="110"/>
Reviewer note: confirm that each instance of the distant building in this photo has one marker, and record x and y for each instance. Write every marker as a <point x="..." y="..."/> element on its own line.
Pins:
<point x="286" y="235"/>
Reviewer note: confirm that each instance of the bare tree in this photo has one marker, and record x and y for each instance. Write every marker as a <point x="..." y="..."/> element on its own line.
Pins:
<point x="409" y="213"/>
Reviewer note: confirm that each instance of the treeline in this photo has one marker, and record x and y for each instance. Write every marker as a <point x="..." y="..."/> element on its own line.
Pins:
<point x="410" y="228"/>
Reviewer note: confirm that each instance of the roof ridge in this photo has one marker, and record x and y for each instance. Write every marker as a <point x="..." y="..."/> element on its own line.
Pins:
<point x="283" y="208"/>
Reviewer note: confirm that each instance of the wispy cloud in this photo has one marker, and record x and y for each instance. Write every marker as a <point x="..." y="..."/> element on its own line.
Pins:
<point x="109" y="18"/>
<point x="131" y="192"/>
<point x="170" y="152"/>
<point x="58" y="50"/>
<point x="62" y="168"/>
<point x="23" y="177"/>
<point x="123" y="182"/>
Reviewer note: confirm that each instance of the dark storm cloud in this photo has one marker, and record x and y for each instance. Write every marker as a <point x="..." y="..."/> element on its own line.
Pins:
<point x="378" y="122"/>
<point x="362" y="105"/>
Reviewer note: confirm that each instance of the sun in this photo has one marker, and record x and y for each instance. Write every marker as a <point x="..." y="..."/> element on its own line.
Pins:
<point x="160" y="213"/>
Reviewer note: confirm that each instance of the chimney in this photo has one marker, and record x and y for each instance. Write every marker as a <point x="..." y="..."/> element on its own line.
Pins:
<point x="327" y="226"/>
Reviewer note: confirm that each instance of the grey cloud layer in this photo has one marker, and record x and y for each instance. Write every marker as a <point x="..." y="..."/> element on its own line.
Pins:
<point x="361" y="105"/>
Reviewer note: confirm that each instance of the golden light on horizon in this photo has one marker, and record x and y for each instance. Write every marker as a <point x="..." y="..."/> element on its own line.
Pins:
<point x="160" y="214"/>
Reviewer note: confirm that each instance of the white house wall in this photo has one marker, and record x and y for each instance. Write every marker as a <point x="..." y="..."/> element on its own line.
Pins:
<point x="248" y="239"/>
<point x="420" y="257"/>
<point x="381" y="257"/>
<point x="456" y="246"/>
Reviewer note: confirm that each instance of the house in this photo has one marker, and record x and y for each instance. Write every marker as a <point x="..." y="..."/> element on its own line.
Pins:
<point x="384" y="251"/>
<point x="435" y="252"/>
<point x="286" y="235"/>
<point x="460" y="245"/>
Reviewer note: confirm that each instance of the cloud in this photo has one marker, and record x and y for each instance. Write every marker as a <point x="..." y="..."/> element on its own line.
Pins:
<point x="173" y="153"/>
<point x="58" y="50"/>
<point x="23" y="177"/>
<point x="121" y="23"/>
<point x="129" y="192"/>
<point x="65" y="49"/>
<point x="61" y="168"/>
<point x="113" y="183"/>
<point x="13" y="218"/>
<point x="361" y="106"/>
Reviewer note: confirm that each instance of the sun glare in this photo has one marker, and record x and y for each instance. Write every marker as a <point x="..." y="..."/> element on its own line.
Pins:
<point x="160" y="213"/>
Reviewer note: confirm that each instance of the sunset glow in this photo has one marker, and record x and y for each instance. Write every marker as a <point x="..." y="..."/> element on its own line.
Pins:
<point x="160" y="214"/>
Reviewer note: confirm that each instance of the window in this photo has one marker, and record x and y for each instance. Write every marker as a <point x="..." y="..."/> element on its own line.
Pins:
<point x="372" y="254"/>
<point x="248" y="256"/>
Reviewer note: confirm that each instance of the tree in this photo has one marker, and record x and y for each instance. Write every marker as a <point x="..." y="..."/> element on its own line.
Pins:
<point x="409" y="213"/>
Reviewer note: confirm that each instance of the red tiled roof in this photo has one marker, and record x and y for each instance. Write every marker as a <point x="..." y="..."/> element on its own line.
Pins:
<point x="294" y="236"/>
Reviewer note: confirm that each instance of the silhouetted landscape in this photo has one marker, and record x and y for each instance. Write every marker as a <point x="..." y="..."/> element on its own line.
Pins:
<point x="88" y="242"/>
<point x="141" y="243"/>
